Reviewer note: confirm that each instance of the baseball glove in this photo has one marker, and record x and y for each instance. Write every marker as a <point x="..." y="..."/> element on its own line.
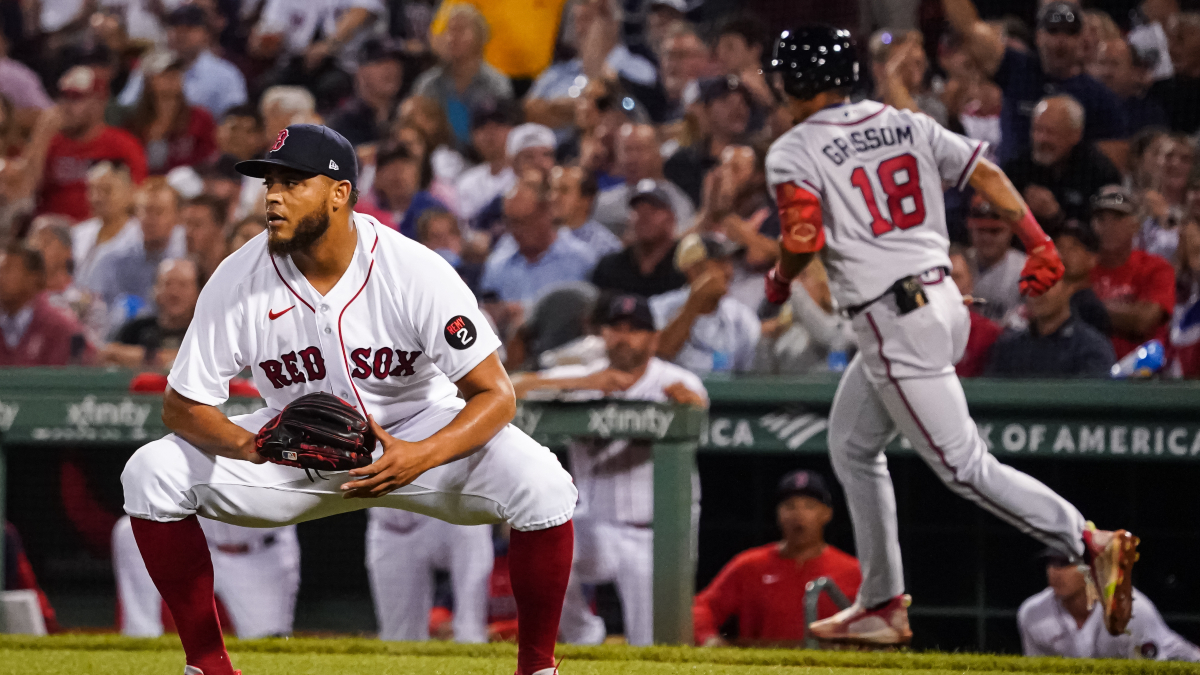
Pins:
<point x="317" y="431"/>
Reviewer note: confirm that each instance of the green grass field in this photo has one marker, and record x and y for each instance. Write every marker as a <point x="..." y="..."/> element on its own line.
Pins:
<point x="114" y="655"/>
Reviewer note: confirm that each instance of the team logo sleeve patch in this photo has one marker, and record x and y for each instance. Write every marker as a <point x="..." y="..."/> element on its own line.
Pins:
<point x="460" y="332"/>
<point x="801" y="228"/>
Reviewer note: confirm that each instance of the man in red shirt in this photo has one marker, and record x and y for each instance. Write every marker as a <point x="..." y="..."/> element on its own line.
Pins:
<point x="34" y="332"/>
<point x="83" y="139"/>
<point x="1136" y="287"/>
<point x="764" y="587"/>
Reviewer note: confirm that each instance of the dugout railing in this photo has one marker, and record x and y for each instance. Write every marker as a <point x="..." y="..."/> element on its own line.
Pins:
<point x="1129" y="423"/>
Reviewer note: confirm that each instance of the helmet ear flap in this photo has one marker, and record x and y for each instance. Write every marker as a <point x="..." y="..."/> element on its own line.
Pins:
<point x="814" y="58"/>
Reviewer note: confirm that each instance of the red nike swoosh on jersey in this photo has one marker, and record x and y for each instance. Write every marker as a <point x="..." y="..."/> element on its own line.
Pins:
<point x="276" y="315"/>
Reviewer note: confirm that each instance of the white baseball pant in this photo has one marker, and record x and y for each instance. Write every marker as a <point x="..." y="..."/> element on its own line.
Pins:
<point x="403" y="552"/>
<point x="903" y="378"/>
<point x="510" y="479"/>
<point x="256" y="576"/>
<point x="611" y="552"/>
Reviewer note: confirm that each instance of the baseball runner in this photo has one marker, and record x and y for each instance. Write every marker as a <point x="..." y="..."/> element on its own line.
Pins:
<point x="614" y="539"/>
<point x="340" y="318"/>
<point x="256" y="573"/>
<point x="404" y="550"/>
<point x="862" y="184"/>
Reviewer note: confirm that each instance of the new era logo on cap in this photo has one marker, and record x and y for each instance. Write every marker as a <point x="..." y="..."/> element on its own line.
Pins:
<point x="307" y="148"/>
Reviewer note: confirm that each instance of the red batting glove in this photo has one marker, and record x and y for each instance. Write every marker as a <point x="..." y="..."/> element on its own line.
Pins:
<point x="778" y="288"/>
<point x="1043" y="268"/>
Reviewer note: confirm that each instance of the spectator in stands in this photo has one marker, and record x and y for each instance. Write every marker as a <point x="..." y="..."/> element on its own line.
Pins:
<point x="243" y="231"/>
<point x="741" y="41"/>
<point x="493" y="176"/>
<point x="1025" y="77"/>
<point x="725" y="109"/>
<point x="427" y="116"/>
<point x="314" y="41"/>
<point x="663" y="17"/>
<point x="1055" y="344"/>
<point x="615" y="516"/>
<point x="153" y="341"/>
<point x="463" y="82"/>
<point x="1123" y="70"/>
<point x="685" y="59"/>
<point x="1138" y="288"/>
<point x="400" y="193"/>
<point x="554" y="95"/>
<point x="898" y="65"/>
<point x="209" y="81"/>
<point x="204" y="222"/>
<point x="1143" y="159"/>
<point x="1080" y="250"/>
<point x="541" y="257"/>
<point x="173" y="132"/>
<point x="51" y="236"/>
<point x="33" y="332"/>
<point x="1178" y="93"/>
<point x="638" y="159"/>
<point x="995" y="264"/>
<point x="1064" y="620"/>
<point x="22" y="88"/>
<point x="1185" y="321"/>
<point x="984" y="331"/>
<point x="240" y="134"/>
<point x="83" y="139"/>
<point x="110" y="197"/>
<point x="1150" y="38"/>
<point x="764" y="587"/>
<point x="703" y="329"/>
<point x="1061" y="170"/>
<point x="124" y="276"/>
<point x="572" y="201"/>
<point x="646" y="266"/>
<point x="366" y="117"/>
<point x="438" y="230"/>
<point x="529" y="147"/>
<point x="284" y="105"/>
<point x="1165" y="202"/>
<point x="520" y="41"/>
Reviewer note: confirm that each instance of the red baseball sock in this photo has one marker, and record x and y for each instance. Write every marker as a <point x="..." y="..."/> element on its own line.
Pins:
<point x="539" y="563"/>
<point x="177" y="558"/>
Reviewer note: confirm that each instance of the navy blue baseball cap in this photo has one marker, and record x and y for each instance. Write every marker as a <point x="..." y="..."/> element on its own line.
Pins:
<point x="309" y="148"/>
<point x="803" y="482"/>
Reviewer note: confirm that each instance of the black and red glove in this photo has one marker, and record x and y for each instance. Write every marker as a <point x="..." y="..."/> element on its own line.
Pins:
<point x="1043" y="268"/>
<point x="317" y="431"/>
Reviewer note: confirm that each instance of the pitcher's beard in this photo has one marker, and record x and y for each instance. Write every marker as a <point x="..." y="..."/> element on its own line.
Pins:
<point x="310" y="229"/>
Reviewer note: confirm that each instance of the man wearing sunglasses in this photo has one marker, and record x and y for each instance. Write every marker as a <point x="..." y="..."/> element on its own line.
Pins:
<point x="1056" y="68"/>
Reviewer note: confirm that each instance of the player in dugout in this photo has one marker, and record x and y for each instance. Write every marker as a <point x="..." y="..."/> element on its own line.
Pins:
<point x="764" y="587"/>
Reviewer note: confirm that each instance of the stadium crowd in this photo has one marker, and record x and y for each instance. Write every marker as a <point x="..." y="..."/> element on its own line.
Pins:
<point x="586" y="149"/>
<point x="569" y="156"/>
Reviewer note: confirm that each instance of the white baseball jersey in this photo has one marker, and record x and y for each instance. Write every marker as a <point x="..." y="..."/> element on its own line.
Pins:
<point x="1047" y="629"/>
<point x="616" y="479"/>
<point x="390" y="337"/>
<point x="878" y="173"/>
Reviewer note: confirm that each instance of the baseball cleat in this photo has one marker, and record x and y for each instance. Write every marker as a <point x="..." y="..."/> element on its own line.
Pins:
<point x="193" y="670"/>
<point x="887" y="625"/>
<point x="1111" y="555"/>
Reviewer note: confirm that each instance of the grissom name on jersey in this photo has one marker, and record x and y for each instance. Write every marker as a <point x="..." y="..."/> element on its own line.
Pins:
<point x="879" y="174"/>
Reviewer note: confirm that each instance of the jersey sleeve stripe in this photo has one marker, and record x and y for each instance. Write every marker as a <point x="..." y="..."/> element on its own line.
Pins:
<point x="815" y="190"/>
<point x="970" y="167"/>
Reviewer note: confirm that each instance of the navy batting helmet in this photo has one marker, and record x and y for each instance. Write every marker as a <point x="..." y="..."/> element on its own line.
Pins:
<point x="813" y="59"/>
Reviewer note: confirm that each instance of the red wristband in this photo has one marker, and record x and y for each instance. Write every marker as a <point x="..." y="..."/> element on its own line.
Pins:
<point x="1030" y="233"/>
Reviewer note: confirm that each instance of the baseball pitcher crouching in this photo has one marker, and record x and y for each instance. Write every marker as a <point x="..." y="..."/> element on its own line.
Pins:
<point x="355" y="334"/>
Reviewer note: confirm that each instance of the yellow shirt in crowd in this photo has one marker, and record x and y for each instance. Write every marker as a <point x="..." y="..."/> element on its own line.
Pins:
<point x="523" y="32"/>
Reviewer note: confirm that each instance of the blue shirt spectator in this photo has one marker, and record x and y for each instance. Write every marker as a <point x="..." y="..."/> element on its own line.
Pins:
<point x="1055" y="344"/>
<point x="209" y="81"/>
